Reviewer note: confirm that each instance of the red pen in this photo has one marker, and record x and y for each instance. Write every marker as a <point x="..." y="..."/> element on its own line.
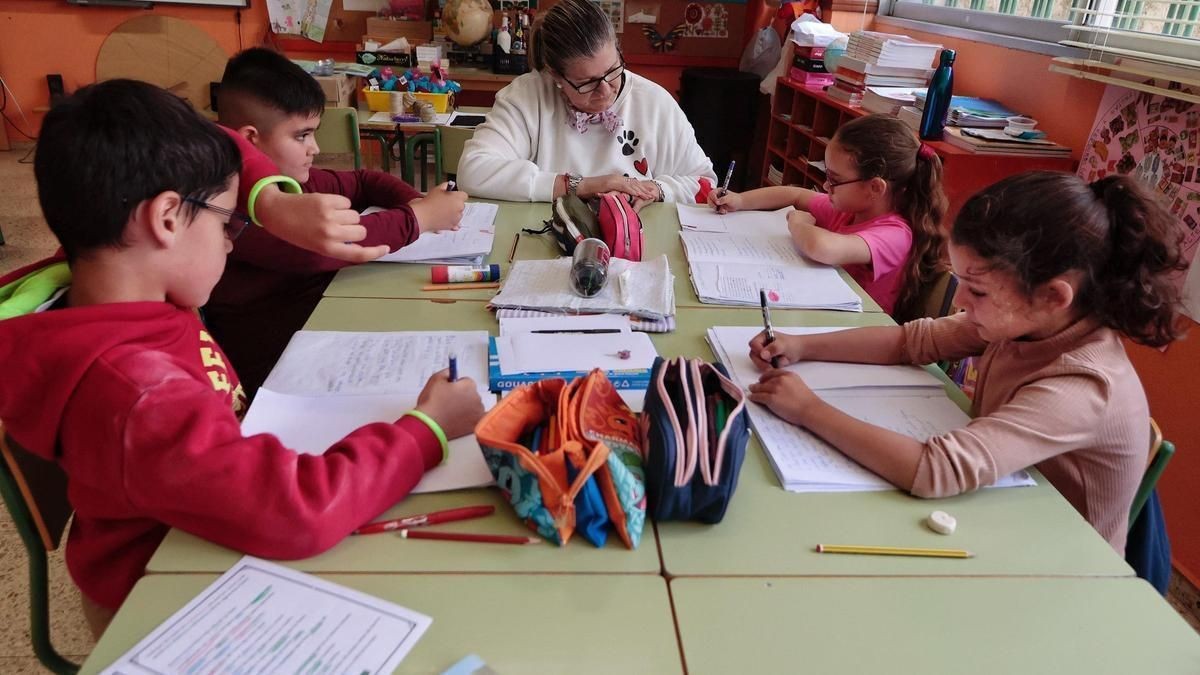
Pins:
<point x="464" y="536"/>
<point x="447" y="516"/>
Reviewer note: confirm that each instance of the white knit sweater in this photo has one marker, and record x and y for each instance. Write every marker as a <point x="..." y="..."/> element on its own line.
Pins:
<point x="527" y="142"/>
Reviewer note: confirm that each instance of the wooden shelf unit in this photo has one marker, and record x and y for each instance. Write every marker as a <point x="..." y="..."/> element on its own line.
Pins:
<point x="803" y="119"/>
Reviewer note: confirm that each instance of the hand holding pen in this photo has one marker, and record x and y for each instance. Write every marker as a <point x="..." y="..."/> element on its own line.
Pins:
<point x="718" y="197"/>
<point x="769" y="329"/>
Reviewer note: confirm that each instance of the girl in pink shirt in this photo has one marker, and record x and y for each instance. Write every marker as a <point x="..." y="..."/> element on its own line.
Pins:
<point x="1053" y="273"/>
<point x="880" y="218"/>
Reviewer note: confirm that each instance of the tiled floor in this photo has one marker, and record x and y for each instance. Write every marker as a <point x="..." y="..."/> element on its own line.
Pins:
<point x="28" y="240"/>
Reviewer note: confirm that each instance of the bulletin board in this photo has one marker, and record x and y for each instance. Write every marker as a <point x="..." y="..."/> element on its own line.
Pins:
<point x="681" y="28"/>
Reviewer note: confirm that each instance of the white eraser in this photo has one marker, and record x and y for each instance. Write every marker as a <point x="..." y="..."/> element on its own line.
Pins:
<point x="941" y="522"/>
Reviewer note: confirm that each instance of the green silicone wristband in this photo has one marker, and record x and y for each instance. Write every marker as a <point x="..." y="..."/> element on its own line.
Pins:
<point x="288" y="184"/>
<point x="435" y="428"/>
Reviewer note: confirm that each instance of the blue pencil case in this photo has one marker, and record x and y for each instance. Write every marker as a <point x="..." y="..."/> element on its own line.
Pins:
<point x="694" y="422"/>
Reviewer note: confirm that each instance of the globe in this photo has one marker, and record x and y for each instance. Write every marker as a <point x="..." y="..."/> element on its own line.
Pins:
<point x="834" y="52"/>
<point x="468" y="22"/>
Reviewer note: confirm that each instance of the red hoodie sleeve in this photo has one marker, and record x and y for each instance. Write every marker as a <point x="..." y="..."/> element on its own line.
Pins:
<point x="255" y="167"/>
<point x="395" y="227"/>
<point x="186" y="464"/>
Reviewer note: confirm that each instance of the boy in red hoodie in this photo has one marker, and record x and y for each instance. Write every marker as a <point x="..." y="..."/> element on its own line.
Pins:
<point x="109" y="371"/>
<point x="270" y="287"/>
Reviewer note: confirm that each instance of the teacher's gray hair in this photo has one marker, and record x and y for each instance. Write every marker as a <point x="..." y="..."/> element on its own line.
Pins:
<point x="572" y="29"/>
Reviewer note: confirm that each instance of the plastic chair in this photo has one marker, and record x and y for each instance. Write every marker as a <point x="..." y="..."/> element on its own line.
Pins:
<point x="937" y="298"/>
<point x="35" y="491"/>
<point x="424" y="140"/>
<point x="453" y="140"/>
<point x="338" y="133"/>
<point x="1161" y="452"/>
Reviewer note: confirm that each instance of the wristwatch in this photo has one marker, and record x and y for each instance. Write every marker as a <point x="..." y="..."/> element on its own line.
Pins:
<point x="573" y="180"/>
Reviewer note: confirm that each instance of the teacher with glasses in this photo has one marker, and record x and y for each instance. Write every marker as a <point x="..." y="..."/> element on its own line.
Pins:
<point x="582" y="124"/>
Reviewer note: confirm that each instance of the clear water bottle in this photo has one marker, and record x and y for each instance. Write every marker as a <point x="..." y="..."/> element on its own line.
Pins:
<point x="589" y="267"/>
<point x="937" y="100"/>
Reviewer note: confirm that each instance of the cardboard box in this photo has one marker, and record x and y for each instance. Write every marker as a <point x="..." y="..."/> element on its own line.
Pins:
<point x="390" y="30"/>
<point x="339" y="89"/>
<point x="380" y="59"/>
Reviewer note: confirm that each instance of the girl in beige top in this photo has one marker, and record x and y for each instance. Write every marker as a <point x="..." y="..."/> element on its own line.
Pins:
<point x="1052" y="272"/>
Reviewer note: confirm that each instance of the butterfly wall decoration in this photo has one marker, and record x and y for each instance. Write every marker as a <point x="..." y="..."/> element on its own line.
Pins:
<point x="663" y="42"/>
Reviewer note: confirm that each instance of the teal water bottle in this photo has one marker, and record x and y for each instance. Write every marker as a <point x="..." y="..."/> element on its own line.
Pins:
<point x="937" y="100"/>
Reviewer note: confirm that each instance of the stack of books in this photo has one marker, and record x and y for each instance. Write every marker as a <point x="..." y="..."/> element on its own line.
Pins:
<point x="910" y="115"/>
<point x="808" y="67"/>
<point x="882" y="60"/>
<point x="996" y="142"/>
<point x="970" y="111"/>
<point x="889" y="100"/>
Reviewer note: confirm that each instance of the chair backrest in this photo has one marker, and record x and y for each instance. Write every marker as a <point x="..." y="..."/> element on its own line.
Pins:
<point x="338" y="133"/>
<point x="937" y="298"/>
<point x="453" y="140"/>
<point x="35" y="491"/>
<point x="1161" y="452"/>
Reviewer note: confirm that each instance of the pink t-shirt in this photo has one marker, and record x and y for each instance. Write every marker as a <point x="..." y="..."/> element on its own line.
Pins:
<point x="890" y="239"/>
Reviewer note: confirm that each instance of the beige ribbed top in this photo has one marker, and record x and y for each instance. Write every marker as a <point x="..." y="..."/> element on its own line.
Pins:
<point x="1070" y="405"/>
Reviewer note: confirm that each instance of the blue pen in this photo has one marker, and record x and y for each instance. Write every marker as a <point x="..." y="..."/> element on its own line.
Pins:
<point x="453" y="367"/>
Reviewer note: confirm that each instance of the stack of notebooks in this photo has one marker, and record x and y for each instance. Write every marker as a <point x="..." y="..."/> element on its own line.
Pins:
<point x="996" y="142"/>
<point x="970" y="111"/>
<point x="882" y="60"/>
<point x="889" y="100"/>
<point x="642" y="289"/>
<point x="734" y="255"/>
<point x="906" y="399"/>
<point x="532" y="349"/>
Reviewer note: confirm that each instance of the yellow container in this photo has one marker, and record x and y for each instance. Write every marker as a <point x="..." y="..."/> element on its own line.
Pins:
<point x="381" y="101"/>
<point x="441" y="102"/>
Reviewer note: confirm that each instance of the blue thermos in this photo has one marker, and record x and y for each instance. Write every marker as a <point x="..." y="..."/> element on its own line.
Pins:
<point x="937" y="101"/>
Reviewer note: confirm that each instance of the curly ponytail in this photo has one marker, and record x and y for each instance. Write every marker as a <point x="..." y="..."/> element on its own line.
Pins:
<point x="1041" y="224"/>
<point x="1134" y="292"/>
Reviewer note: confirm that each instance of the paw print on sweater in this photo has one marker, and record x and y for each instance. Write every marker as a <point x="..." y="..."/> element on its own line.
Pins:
<point x="628" y="141"/>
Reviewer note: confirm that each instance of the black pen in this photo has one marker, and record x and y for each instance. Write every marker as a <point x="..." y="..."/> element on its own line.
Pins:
<point x="766" y="312"/>
<point x="589" y="331"/>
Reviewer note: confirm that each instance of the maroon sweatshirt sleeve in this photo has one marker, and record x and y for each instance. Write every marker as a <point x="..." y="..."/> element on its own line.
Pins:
<point x="395" y="227"/>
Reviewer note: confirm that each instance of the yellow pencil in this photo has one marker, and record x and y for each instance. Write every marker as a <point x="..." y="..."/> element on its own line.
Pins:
<point x="896" y="550"/>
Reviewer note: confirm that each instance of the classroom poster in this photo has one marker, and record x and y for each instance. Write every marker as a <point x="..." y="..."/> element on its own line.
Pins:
<point x="706" y="21"/>
<point x="284" y="16"/>
<point x="316" y="16"/>
<point x="1155" y="139"/>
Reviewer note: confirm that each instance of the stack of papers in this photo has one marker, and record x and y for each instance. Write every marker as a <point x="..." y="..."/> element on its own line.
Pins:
<point x="730" y="268"/>
<point x="329" y="383"/>
<point x="529" y="357"/>
<point x="645" y="289"/>
<point x="468" y="245"/>
<point x="905" y="399"/>
<point x="260" y="617"/>
<point x="888" y="100"/>
<point x="885" y="49"/>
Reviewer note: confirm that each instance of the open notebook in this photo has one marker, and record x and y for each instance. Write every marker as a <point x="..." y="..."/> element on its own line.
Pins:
<point x="904" y="399"/>
<point x="329" y="383"/>
<point x="468" y="245"/>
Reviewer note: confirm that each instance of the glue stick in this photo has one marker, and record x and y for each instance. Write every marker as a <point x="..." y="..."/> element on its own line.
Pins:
<point x="455" y="274"/>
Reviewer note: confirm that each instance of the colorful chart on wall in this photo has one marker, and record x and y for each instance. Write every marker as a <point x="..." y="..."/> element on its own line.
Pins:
<point x="615" y="9"/>
<point x="172" y="53"/>
<point x="1156" y="140"/>
<point x="706" y="21"/>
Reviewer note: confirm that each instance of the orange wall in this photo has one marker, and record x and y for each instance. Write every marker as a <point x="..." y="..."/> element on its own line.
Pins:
<point x="49" y="36"/>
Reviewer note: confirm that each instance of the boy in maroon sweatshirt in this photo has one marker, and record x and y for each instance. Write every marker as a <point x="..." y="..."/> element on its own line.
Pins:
<point x="109" y="371"/>
<point x="270" y="287"/>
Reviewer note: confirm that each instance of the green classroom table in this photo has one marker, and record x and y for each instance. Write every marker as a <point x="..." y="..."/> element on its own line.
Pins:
<point x="931" y="626"/>
<point x="404" y="281"/>
<point x="517" y="624"/>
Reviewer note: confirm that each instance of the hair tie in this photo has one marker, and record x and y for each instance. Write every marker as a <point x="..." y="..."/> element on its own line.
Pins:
<point x="926" y="152"/>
